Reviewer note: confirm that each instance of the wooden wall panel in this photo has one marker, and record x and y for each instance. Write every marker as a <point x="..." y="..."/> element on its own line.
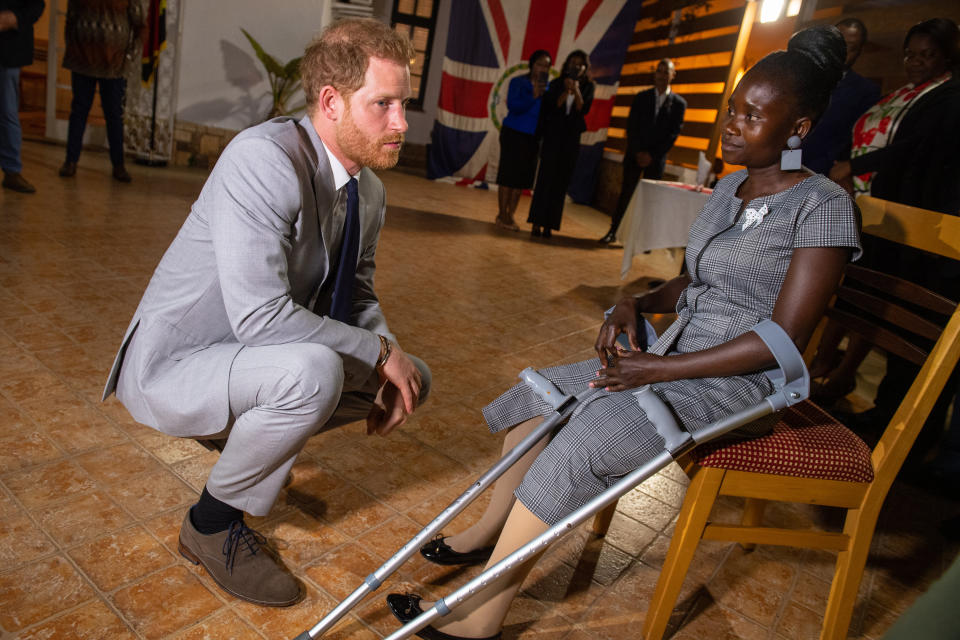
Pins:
<point x="703" y="50"/>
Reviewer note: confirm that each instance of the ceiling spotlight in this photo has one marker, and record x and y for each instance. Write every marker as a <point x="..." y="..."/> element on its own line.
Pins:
<point x="771" y="10"/>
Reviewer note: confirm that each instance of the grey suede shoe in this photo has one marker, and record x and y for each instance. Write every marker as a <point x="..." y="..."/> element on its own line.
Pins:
<point x="238" y="560"/>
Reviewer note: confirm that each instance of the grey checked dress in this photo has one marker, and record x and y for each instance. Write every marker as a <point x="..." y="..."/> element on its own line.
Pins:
<point x="736" y="275"/>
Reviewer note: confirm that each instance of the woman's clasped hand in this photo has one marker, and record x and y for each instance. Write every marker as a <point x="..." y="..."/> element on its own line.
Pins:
<point x="628" y="369"/>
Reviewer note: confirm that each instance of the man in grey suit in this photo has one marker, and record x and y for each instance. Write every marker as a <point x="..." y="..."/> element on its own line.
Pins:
<point x="260" y="325"/>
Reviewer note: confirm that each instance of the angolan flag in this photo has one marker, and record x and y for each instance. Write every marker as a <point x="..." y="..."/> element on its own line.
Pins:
<point x="489" y="42"/>
<point x="155" y="40"/>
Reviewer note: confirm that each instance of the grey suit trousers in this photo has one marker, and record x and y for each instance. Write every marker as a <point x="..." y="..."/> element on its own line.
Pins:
<point x="280" y="396"/>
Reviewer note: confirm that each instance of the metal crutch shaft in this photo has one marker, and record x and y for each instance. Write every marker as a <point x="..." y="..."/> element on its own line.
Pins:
<point x="791" y="386"/>
<point x="563" y="405"/>
<point x="524" y="553"/>
<point x="564" y="526"/>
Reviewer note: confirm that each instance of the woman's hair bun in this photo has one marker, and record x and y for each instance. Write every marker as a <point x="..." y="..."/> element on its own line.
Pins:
<point x="809" y="69"/>
<point x="825" y="47"/>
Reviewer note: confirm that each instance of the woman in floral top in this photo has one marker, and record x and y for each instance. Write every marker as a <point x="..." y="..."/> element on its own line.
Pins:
<point x="905" y="146"/>
<point x="905" y="149"/>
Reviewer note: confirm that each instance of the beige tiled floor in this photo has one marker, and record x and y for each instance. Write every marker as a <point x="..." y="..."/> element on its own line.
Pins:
<point x="91" y="502"/>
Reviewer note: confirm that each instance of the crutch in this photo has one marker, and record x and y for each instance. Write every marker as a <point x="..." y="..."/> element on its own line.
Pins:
<point x="791" y="385"/>
<point x="563" y="405"/>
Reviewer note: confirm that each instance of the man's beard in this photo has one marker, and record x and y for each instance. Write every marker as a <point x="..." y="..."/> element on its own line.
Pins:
<point x="357" y="146"/>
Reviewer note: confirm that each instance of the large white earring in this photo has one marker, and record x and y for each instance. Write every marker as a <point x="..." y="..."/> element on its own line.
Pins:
<point x="791" y="159"/>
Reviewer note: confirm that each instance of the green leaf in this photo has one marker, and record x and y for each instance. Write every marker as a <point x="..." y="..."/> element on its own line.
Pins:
<point x="292" y="70"/>
<point x="269" y="62"/>
<point x="288" y="88"/>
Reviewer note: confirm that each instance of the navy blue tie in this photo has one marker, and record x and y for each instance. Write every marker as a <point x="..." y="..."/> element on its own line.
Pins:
<point x="347" y="264"/>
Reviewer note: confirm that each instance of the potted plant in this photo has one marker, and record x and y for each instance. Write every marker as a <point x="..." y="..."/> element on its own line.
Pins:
<point x="284" y="79"/>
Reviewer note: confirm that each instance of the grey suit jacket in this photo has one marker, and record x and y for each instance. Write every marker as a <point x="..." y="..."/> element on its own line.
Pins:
<point x="249" y="267"/>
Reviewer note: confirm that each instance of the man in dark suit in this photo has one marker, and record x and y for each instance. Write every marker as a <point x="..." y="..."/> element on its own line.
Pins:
<point x="850" y="100"/>
<point x="653" y="125"/>
<point x="16" y="50"/>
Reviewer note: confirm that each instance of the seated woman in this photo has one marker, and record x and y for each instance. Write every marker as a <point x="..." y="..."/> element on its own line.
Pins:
<point x="771" y="242"/>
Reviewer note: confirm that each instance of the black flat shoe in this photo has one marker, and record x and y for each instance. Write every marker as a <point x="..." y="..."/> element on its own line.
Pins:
<point x="439" y="552"/>
<point x="547" y="233"/>
<point x="406" y="607"/>
<point x="610" y="238"/>
<point x="535" y="231"/>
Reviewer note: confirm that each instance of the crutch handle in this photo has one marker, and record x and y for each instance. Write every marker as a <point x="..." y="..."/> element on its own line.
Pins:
<point x="547" y="391"/>
<point x="675" y="438"/>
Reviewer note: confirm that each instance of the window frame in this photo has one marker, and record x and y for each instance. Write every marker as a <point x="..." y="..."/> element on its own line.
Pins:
<point x="430" y="24"/>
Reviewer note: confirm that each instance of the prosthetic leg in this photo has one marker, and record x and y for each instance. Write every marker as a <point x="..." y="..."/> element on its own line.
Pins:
<point x="791" y="385"/>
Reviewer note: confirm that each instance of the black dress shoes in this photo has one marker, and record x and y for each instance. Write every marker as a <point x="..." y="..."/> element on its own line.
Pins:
<point x="610" y="238"/>
<point x="406" y="607"/>
<point x="120" y="174"/>
<point x="439" y="552"/>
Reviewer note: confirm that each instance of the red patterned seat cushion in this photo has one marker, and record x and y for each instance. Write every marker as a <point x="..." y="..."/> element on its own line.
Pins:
<point x="805" y="442"/>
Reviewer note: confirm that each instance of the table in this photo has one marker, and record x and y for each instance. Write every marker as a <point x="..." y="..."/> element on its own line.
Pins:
<point x="658" y="217"/>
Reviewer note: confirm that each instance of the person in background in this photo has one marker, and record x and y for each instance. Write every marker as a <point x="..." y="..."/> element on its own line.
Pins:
<point x="566" y="102"/>
<point x="16" y="51"/>
<point x="904" y="150"/>
<point x="101" y="37"/>
<point x="655" y="120"/>
<point x="905" y="146"/>
<point x="852" y="97"/>
<point x="518" y="140"/>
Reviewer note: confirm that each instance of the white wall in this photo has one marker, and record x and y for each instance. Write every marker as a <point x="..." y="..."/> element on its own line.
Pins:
<point x="222" y="83"/>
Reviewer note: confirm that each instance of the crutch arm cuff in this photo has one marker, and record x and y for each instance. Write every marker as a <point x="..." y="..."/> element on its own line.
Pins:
<point x="791" y="378"/>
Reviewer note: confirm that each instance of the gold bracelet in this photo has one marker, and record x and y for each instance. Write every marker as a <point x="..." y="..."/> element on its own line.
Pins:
<point x="385" y="349"/>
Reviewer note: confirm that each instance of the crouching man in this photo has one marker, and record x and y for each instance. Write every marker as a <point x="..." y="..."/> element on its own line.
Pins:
<point x="260" y="325"/>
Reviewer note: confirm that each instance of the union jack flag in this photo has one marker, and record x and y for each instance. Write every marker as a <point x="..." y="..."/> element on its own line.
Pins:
<point x="489" y="42"/>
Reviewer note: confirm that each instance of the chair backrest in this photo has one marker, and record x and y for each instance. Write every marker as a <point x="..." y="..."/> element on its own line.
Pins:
<point x="902" y="318"/>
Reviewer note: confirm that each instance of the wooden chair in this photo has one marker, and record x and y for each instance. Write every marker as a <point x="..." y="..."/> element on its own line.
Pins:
<point x="809" y="457"/>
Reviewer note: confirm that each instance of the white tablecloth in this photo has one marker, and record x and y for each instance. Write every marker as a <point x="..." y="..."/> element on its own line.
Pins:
<point x="658" y="217"/>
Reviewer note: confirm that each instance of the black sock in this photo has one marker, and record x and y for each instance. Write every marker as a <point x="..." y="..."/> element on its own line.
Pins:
<point x="210" y="515"/>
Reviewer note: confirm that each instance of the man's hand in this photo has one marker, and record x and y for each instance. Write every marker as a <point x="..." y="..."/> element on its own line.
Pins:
<point x="400" y="371"/>
<point x="387" y="412"/>
<point x="628" y="370"/>
<point x="8" y="21"/>
<point x="643" y="158"/>
<point x="623" y="319"/>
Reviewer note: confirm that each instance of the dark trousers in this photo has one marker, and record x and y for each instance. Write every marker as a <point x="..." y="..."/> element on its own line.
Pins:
<point x="631" y="176"/>
<point x="558" y="158"/>
<point x="112" y="91"/>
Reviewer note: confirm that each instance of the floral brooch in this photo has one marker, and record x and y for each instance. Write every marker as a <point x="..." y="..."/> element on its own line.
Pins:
<point x="753" y="217"/>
